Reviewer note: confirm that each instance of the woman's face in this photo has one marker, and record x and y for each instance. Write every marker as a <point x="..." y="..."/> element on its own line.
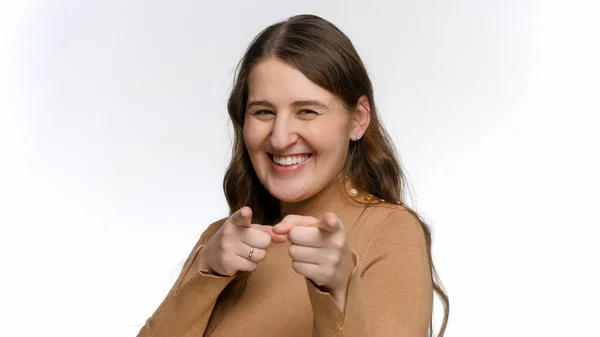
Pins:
<point x="296" y="133"/>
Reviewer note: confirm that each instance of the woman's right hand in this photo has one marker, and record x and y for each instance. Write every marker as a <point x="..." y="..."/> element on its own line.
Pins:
<point x="228" y="250"/>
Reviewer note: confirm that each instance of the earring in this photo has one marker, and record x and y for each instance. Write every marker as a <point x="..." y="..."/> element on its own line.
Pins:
<point x="357" y="137"/>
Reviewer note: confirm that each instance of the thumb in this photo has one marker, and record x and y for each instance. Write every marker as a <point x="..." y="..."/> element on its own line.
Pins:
<point x="294" y="220"/>
<point x="275" y="238"/>
<point x="242" y="218"/>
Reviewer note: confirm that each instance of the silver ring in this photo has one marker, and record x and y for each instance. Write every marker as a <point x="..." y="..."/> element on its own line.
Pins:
<point x="251" y="252"/>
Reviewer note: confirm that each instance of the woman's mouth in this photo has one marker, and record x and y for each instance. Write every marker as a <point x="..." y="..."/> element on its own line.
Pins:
<point x="289" y="160"/>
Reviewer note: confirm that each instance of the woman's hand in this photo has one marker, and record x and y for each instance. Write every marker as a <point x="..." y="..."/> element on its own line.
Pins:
<point x="320" y="252"/>
<point x="228" y="250"/>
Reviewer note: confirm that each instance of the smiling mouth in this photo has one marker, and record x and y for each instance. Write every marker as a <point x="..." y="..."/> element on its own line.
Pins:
<point x="289" y="160"/>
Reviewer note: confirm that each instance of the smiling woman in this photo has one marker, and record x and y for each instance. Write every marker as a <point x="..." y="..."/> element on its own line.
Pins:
<point x="296" y="133"/>
<point x="319" y="241"/>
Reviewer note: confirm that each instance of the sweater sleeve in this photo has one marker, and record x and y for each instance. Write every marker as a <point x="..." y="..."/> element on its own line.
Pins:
<point x="390" y="292"/>
<point x="186" y="309"/>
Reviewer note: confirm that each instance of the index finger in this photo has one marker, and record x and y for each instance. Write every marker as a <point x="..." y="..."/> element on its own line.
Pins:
<point x="275" y="238"/>
<point x="330" y="223"/>
<point x="242" y="217"/>
<point x="293" y="220"/>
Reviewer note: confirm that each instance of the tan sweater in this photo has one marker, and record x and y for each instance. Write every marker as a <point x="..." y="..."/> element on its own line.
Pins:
<point x="390" y="291"/>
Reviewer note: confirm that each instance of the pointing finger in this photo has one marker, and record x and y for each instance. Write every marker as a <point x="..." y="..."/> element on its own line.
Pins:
<point x="330" y="223"/>
<point x="275" y="238"/>
<point x="243" y="217"/>
<point x="293" y="220"/>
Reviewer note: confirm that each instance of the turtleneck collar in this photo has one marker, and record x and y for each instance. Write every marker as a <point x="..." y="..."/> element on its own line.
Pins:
<point x="334" y="197"/>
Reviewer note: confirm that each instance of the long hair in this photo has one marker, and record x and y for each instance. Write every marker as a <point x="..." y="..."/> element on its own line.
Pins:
<point x="326" y="56"/>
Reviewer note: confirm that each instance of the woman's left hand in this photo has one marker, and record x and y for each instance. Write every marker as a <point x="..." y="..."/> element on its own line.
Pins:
<point x="320" y="252"/>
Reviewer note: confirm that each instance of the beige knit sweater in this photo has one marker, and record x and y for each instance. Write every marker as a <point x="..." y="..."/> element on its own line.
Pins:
<point x="390" y="291"/>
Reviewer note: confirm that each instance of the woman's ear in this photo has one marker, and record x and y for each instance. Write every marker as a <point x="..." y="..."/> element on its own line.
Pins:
<point x="361" y="118"/>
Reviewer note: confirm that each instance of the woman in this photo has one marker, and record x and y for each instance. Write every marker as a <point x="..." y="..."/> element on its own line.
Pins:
<point x="318" y="242"/>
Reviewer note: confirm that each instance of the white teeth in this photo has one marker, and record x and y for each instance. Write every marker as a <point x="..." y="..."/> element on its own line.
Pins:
<point x="290" y="160"/>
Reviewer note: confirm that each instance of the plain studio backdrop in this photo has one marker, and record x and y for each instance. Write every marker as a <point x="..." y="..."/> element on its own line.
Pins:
<point x="114" y="139"/>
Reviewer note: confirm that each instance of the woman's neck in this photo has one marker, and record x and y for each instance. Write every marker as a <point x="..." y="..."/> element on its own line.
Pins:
<point x="335" y="196"/>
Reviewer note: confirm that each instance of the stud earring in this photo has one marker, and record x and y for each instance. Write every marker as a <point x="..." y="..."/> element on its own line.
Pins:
<point x="357" y="137"/>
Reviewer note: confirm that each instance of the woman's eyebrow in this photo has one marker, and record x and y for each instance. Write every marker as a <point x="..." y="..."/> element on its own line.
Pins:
<point x="261" y="103"/>
<point x="309" y="102"/>
<point x="295" y="104"/>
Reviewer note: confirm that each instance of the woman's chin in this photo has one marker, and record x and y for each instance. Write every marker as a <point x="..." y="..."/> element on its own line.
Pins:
<point x="288" y="196"/>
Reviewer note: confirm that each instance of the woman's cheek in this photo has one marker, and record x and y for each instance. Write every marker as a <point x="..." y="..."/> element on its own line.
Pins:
<point x="251" y="136"/>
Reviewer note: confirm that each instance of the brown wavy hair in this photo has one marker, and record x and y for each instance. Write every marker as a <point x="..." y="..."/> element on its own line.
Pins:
<point x="326" y="56"/>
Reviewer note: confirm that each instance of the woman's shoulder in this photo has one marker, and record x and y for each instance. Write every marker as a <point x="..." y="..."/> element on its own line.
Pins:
<point x="398" y="215"/>
<point x="384" y="209"/>
<point x="393" y="217"/>
<point x="386" y="227"/>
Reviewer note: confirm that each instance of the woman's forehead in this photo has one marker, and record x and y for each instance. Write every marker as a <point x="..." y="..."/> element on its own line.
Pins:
<point x="280" y="83"/>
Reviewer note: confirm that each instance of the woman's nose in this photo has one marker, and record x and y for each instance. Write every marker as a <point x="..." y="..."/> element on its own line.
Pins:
<point x="283" y="134"/>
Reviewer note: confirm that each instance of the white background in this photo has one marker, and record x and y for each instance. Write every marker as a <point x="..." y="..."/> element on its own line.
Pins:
<point x="114" y="139"/>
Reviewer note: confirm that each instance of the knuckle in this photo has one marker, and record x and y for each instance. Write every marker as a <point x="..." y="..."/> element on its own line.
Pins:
<point x="220" y="245"/>
<point x="228" y="230"/>
<point x="338" y="243"/>
<point x="257" y="256"/>
<point x="296" y="267"/>
<point x="292" y="234"/>
<point x="257" y="238"/>
<point x="292" y="250"/>
<point x="333" y="257"/>
<point x="264" y="238"/>
<point x="226" y="245"/>
<point x="295" y="233"/>
<point x="263" y="255"/>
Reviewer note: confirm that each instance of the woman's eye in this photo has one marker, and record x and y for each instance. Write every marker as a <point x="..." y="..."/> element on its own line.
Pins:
<point x="308" y="112"/>
<point x="263" y="112"/>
